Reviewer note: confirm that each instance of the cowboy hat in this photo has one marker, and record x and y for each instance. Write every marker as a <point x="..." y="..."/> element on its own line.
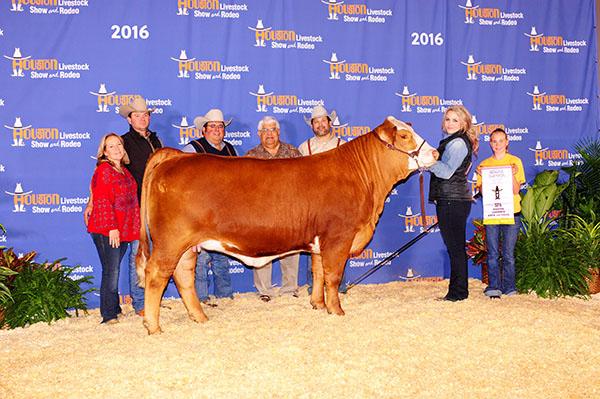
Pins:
<point x="138" y="104"/>
<point x="319" y="111"/>
<point x="214" y="115"/>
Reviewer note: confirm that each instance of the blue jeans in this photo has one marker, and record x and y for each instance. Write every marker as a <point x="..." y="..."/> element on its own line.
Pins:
<point x="136" y="292"/>
<point x="219" y="264"/>
<point x="501" y="240"/>
<point x="343" y="288"/>
<point x="110" y="259"/>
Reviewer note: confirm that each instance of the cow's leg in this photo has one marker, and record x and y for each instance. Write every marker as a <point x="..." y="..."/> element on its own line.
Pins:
<point x="184" y="279"/>
<point x="157" y="278"/>
<point x="333" y="270"/>
<point x="317" y="298"/>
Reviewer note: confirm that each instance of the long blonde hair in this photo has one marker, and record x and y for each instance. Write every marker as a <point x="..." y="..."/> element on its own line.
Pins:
<point x="466" y="125"/>
<point x="101" y="158"/>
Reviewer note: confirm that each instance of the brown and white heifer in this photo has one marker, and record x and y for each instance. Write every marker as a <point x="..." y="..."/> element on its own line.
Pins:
<point x="256" y="210"/>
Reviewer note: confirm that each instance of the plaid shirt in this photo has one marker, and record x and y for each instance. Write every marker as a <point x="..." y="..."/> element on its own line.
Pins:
<point x="284" y="151"/>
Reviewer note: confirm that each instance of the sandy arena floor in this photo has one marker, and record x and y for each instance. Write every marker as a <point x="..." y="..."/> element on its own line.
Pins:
<point x="395" y="341"/>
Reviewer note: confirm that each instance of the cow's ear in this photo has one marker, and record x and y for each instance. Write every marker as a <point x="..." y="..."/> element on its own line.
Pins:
<point x="386" y="131"/>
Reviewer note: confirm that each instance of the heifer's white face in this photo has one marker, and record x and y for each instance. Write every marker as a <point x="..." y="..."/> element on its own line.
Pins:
<point x="425" y="157"/>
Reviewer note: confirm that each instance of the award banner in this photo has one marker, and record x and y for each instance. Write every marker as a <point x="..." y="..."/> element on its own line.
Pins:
<point x="497" y="195"/>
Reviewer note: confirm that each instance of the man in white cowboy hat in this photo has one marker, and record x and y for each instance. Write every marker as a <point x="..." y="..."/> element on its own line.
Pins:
<point x="323" y="140"/>
<point x="271" y="147"/>
<point x="140" y="143"/>
<point x="212" y="126"/>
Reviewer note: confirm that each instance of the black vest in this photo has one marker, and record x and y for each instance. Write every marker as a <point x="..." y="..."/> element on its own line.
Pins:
<point x="455" y="188"/>
<point x="202" y="146"/>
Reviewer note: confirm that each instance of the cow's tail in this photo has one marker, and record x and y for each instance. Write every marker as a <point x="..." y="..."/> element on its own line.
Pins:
<point x="145" y="248"/>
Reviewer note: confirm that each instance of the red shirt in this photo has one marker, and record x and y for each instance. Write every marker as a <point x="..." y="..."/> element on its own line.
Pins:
<point x="115" y="203"/>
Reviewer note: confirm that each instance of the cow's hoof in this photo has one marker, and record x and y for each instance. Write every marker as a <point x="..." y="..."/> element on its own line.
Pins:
<point x="152" y="330"/>
<point x="199" y="318"/>
<point x="339" y="311"/>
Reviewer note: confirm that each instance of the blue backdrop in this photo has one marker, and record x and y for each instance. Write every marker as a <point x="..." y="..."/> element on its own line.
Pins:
<point x="528" y="66"/>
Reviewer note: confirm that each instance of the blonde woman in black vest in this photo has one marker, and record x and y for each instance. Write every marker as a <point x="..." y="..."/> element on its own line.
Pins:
<point x="450" y="192"/>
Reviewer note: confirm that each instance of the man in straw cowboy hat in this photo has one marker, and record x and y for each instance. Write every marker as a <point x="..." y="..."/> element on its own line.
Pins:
<point x="212" y="126"/>
<point x="140" y="142"/>
<point x="324" y="140"/>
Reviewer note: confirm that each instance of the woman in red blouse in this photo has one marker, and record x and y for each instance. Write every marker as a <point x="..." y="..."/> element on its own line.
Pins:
<point x="115" y="218"/>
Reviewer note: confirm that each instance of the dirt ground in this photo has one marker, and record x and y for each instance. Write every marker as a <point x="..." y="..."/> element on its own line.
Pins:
<point x="395" y="341"/>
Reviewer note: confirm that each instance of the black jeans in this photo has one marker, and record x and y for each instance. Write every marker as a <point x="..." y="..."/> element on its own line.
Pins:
<point x="110" y="258"/>
<point x="452" y="219"/>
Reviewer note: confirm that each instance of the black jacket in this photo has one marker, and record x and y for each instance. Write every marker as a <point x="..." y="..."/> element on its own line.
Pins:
<point x="139" y="150"/>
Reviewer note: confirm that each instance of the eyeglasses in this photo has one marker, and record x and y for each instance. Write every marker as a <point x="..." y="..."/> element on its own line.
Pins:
<point x="219" y="126"/>
<point x="269" y="130"/>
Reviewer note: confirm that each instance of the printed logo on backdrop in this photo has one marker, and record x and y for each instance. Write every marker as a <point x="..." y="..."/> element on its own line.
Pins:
<point x="478" y="70"/>
<point x="269" y="101"/>
<point x="43" y="68"/>
<point x="339" y="10"/>
<point x="210" y="8"/>
<point x="188" y="133"/>
<point x="485" y="129"/>
<point x="368" y="258"/>
<point x="413" y="222"/>
<point x="48" y="7"/>
<point x="283" y="39"/>
<point x="207" y="69"/>
<point x="356" y="71"/>
<point x="410" y="275"/>
<point x="346" y="131"/>
<point x="424" y="104"/>
<point x="548" y="44"/>
<point x="557" y="157"/>
<point x="488" y="16"/>
<point x="555" y="102"/>
<point x="24" y="135"/>
<point x="30" y="201"/>
<point x="108" y="101"/>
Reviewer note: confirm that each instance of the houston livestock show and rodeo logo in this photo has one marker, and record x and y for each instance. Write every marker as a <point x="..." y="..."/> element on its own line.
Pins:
<point x="486" y="72"/>
<point x="485" y="129"/>
<point x="207" y="69"/>
<point x="344" y="11"/>
<point x="107" y="101"/>
<point x="45" y="203"/>
<point x="554" y="157"/>
<point x="210" y="9"/>
<point x="282" y="38"/>
<point x="356" y="71"/>
<point x="555" y="102"/>
<point x="43" y="68"/>
<point x="48" y="7"/>
<point x="424" y="103"/>
<point x="44" y="137"/>
<point x="269" y="101"/>
<point x="474" y="13"/>
<point x="552" y="44"/>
